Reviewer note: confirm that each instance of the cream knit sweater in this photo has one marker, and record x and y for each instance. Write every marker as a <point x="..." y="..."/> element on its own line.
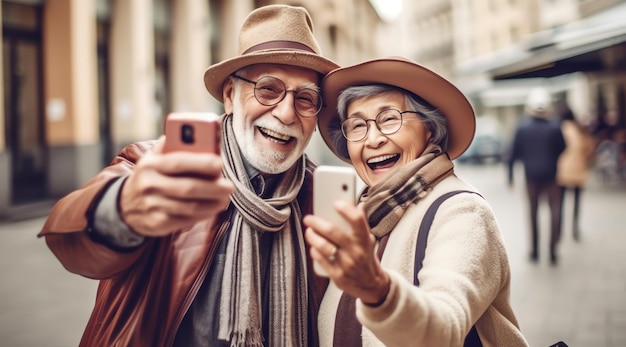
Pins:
<point x="464" y="280"/>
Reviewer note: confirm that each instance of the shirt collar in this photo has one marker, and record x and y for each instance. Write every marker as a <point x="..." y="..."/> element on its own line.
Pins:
<point x="263" y="185"/>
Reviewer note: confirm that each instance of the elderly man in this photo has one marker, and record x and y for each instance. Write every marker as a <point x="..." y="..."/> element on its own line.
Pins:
<point x="197" y="249"/>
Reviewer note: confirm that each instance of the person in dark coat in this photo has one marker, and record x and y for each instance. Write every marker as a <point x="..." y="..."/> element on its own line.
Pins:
<point x="538" y="143"/>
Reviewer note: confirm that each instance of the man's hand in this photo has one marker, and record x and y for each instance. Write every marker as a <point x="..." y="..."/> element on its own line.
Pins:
<point x="170" y="191"/>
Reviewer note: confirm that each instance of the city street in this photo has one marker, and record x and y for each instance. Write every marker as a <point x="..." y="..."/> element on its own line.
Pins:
<point x="582" y="301"/>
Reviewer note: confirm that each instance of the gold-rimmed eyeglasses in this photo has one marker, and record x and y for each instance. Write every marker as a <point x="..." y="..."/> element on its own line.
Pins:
<point x="387" y="121"/>
<point x="269" y="91"/>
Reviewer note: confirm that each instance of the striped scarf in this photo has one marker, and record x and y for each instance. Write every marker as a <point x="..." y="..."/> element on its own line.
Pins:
<point x="240" y="319"/>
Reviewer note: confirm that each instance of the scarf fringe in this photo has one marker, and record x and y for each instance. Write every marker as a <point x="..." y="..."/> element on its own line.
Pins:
<point x="247" y="338"/>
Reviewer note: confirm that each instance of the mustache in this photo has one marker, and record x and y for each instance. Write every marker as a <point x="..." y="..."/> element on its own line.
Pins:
<point x="292" y="130"/>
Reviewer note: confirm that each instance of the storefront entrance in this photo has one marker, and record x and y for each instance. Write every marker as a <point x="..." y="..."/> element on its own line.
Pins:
<point x="24" y="113"/>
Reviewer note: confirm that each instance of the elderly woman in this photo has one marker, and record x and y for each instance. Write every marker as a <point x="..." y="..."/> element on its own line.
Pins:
<point x="400" y="125"/>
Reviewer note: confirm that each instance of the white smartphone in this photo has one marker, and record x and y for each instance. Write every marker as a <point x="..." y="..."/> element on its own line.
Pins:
<point x="330" y="184"/>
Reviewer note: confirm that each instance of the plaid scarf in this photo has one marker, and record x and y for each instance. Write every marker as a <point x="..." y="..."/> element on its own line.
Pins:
<point x="240" y="319"/>
<point x="386" y="201"/>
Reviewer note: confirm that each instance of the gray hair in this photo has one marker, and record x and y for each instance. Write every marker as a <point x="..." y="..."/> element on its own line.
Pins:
<point x="434" y="120"/>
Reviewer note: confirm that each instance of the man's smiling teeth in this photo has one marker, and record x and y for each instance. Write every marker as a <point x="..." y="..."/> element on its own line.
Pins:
<point x="275" y="135"/>
<point x="376" y="160"/>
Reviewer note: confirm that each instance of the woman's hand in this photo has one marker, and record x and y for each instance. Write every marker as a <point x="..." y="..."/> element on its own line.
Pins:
<point x="348" y="256"/>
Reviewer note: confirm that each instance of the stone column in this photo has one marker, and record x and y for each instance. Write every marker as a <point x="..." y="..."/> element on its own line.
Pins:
<point x="190" y="55"/>
<point x="132" y="73"/>
<point x="70" y="93"/>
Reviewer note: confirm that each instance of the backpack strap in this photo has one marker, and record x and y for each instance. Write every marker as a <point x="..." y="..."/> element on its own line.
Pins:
<point x="427" y="221"/>
<point x="472" y="338"/>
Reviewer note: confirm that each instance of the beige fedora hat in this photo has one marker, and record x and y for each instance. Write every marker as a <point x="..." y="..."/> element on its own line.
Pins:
<point x="274" y="34"/>
<point x="405" y="74"/>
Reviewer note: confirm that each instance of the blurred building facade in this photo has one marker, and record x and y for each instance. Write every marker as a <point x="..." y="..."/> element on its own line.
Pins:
<point x="497" y="50"/>
<point x="576" y="49"/>
<point x="83" y="78"/>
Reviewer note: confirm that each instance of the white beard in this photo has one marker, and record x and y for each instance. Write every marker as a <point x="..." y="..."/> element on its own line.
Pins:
<point x="261" y="157"/>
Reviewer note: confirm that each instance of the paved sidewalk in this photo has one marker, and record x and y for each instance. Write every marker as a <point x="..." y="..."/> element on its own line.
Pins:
<point x="582" y="301"/>
<point x="41" y="303"/>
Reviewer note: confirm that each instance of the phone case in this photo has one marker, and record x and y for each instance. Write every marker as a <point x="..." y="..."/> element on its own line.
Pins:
<point x="193" y="132"/>
<point x="330" y="184"/>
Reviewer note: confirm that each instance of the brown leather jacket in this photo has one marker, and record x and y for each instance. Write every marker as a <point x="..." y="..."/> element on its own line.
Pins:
<point x="143" y="295"/>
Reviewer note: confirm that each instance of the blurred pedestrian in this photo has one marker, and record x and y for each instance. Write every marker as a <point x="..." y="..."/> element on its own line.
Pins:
<point x="538" y="143"/>
<point x="609" y="151"/>
<point x="402" y="273"/>
<point x="199" y="249"/>
<point x="574" y="163"/>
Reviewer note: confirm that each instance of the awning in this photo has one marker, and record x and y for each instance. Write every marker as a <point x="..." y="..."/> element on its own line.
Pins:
<point x="573" y="47"/>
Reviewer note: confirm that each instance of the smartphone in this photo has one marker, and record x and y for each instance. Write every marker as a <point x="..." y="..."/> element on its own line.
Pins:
<point x="330" y="184"/>
<point x="193" y="131"/>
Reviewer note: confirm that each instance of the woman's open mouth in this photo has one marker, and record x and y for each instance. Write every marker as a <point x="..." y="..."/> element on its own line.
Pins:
<point x="383" y="161"/>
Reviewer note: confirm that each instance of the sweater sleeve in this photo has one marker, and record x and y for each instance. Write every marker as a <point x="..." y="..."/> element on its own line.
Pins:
<point x="109" y="228"/>
<point x="464" y="270"/>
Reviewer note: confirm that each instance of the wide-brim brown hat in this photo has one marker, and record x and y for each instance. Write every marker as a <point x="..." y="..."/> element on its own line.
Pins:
<point x="405" y="74"/>
<point x="274" y="34"/>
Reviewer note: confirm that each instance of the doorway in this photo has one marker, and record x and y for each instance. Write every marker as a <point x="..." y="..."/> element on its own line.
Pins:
<point x="23" y="92"/>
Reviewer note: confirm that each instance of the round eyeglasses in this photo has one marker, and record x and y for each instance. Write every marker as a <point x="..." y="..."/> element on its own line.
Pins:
<point x="269" y="91"/>
<point x="387" y="121"/>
